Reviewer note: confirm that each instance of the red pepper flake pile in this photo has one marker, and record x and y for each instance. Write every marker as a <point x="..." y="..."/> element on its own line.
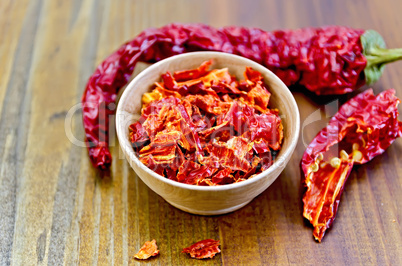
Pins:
<point x="205" y="249"/>
<point x="363" y="128"/>
<point x="149" y="249"/>
<point x="206" y="128"/>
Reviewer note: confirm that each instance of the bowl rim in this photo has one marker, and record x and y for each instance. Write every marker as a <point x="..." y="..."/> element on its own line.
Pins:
<point x="129" y="152"/>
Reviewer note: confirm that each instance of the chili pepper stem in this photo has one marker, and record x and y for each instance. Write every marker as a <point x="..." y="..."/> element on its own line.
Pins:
<point x="377" y="55"/>
<point x="381" y="56"/>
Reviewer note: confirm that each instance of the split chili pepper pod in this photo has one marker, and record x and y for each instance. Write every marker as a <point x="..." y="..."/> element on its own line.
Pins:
<point x="363" y="128"/>
<point x="327" y="60"/>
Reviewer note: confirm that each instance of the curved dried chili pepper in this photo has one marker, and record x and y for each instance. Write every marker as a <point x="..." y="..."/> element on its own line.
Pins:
<point x="362" y="128"/>
<point x="328" y="60"/>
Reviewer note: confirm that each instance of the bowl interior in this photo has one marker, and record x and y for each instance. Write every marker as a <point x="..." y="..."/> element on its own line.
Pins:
<point x="129" y="107"/>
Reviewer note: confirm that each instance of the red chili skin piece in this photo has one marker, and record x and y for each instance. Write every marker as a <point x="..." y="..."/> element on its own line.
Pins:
<point x="193" y="173"/>
<point x="138" y="136"/>
<point x="231" y="154"/>
<point x="223" y="177"/>
<point x="326" y="60"/>
<point x="149" y="249"/>
<point x="267" y="130"/>
<point x="192" y="74"/>
<point x="363" y="128"/>
<point x="266" y="160"/>
<point x="155" y="106"/>
<point x="224" y="88"/>
<point x="204" y="249"/>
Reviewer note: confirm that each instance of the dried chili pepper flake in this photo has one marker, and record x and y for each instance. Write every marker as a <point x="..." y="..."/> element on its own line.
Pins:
<point x="185" y="75"/>
<point x="149" y="249"/>
<point x="199" y="121"/>
<point x="222" y="177"/>
<point x="233" y="116"/>
<point x="266" y="160"/>
<point x="207" y="103"/>
<point x="189" y="134"/>
<point x="171" y="174"/>
<point x="168" y="137"/>
<point x="138" y="136"/>
<point x="163" y="92"/>
<point x="254" y="165"/>
<point x="155" y="107"/>
<point x="161" y="154"/>
<point x="152" y="125"/>
<point x="241" y="146"/>
<point x="150" y="162"/>
<point x="267" y="127"/>
<point x="225" y="88"/>
<point x="240" y="116"/>
<point x="205" y="134"/>
<point x="229" y="154"/>
<point x="193" y="173"/>
<point x="214" y="76"/>
<point x="258" y="97"/>
<point x="363" y="128"/>
<point x="253" y="75"/>
<point x="205" y="249"/>
<point x="261" y="146"/>
<point x="168" y="82"/>
<point x="152" y="96"/>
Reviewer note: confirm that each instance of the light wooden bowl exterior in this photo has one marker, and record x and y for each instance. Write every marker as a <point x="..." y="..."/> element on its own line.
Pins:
<point x="198" y="199"/>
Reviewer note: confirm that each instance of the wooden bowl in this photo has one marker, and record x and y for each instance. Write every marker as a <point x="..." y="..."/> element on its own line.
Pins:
<point x="200" y="199"/>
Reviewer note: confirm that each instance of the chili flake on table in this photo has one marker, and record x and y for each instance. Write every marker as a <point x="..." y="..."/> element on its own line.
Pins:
<point x="204" y="127"/>
<point x="204" y="249"/>
<point x="149" y="249"/>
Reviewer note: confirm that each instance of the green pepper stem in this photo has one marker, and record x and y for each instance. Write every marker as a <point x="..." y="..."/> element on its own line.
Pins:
<point x="379" y="56"/>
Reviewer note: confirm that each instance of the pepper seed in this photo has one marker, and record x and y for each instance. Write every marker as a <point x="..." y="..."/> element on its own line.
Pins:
<point x="357" y="155"/>
<point x="344" y="155"/>
<point x="355" y="146"/>
<point x="314" y="167"/>
<point x="335" y="162"/>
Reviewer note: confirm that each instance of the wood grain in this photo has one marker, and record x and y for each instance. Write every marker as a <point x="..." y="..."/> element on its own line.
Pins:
<point x="56" y="209"/>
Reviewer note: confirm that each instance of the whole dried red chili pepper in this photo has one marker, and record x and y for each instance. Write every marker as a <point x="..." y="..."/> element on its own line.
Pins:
<point x="363" y="128"/>
<point x="328" y="60"/>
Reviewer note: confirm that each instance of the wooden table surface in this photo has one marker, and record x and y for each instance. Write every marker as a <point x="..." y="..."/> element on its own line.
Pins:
<point x="56" y="209"/>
